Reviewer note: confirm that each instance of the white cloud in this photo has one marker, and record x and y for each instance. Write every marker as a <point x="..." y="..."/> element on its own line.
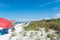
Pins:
<point x="27" y="19"/>
<point x="46" y="18"/>
<point x="57" y="15"/>
<point x="57" y="0"/>
<point x="48" y="3"/>
<point x="4" y="6"/>
<point x="43" y="5"/>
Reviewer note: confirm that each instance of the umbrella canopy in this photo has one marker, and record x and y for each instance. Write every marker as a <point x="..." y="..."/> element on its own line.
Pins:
<point x="4" y="23"/>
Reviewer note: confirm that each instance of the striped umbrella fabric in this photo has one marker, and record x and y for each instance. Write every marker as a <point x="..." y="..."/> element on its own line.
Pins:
<point x="4" y="23"/>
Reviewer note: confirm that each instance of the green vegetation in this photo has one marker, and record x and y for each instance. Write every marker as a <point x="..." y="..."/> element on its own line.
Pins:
<point x="48" y="24"/>
<point x="51" y="36"/>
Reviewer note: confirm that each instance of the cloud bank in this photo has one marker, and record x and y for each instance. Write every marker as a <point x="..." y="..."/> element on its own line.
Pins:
<point x="57" y="15"/>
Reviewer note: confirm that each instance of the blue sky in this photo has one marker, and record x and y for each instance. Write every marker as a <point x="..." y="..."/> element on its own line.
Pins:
<point x="29" y="9"/>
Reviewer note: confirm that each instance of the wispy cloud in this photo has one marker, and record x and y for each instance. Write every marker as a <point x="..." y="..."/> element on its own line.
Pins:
<point x="55" y="8"/>
<point x="48" y="3"/>
<point x="57" y="0"/>
<point x="4" y="6"/>
<point x="27" y="19"/>
<point x="45" y="4"/>
<point x="57" y="15"/>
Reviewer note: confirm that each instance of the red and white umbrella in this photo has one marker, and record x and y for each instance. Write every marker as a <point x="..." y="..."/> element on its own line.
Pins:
<point x="4" y="23"/>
